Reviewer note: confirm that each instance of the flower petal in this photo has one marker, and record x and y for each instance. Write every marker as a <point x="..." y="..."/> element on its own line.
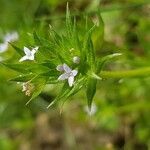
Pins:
<point x="74" y="72"/>
<point x="34" y="50"/>
<point x="27" y="51"/>
<point x="71" y="81"/>
<point x="66" y="68"/>
<point x="31" y="57"/>
<point x="63" y="76"/>
<point x="23" y="58"/>
<point x="60" y="68"/>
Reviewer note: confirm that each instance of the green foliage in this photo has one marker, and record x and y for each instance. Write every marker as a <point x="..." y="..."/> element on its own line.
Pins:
<point x="60" y="49"/>
<point x="91" y="90"/>
<point x="121" y="87"/>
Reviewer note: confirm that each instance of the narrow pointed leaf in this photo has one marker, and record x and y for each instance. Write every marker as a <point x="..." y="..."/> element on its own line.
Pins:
<point x="102" y="61"/>
<point x="65" y="89"/>
<point x="23" y="78"/>
<point x="38" y="87"/>
<point x="18" y="50"/>
<point x="98" y="34"/>
<point x="88" y="53"/>
<point x="91" y="90"/>
<point x="22" y="68"/>
<point x="68" y="21"/>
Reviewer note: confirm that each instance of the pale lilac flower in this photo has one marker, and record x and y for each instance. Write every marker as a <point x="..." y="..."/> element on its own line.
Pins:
<point x="29" y="54"/>
<point x="11" y="37"/>
<point x="92" y="111"/>
<point x="68" y="74"/>
<point x="76" y="59"/>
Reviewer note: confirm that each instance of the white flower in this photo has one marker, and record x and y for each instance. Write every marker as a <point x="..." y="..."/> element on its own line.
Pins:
<point x="29" y="54"/>
<point x="3" y="47"/>
<point x="92" y="111"/>
<point x="76" y="60"/>
<point x="68" y="74"/>
<point x="11" y="37"/>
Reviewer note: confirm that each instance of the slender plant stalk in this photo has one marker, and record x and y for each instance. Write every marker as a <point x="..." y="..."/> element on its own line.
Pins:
<point x="126" y="74"/>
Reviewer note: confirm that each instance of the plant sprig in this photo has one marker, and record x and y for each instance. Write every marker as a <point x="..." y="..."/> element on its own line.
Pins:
<point x="67" y="59"/>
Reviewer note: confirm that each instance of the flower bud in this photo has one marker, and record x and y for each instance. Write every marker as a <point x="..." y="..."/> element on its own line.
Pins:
<point x="76" y="60"/>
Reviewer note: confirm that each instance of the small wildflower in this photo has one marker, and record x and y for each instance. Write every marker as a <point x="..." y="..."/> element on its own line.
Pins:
<point x="29" y="54"/>
<point x="92" y="111"/>
<point x="76" y="60"/>
<point x="68" y="74"/>
<point x="11" y="37"/>
<point x="27" y="87"/>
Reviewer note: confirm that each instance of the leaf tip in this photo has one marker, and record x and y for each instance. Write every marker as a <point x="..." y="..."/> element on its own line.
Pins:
<point x="117" y="54"/>
<point x="28" y="102"/>
<point x="52" y="103"/>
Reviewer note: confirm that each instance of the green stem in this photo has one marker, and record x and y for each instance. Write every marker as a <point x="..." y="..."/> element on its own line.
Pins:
<point x="126" y="74"/>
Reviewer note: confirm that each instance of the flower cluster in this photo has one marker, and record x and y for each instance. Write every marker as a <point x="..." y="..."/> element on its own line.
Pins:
<point x="27" y="87"/>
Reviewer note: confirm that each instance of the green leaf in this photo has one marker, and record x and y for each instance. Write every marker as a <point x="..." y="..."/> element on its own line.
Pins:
<point x="28" y="67"/>
<point x="68" y="21"/>
<point x="102" y="61"/>
<point x="88" y="53"/>
<point x="50" y="73"/>
<point x="49" y="64"/>
<point x="18" y="50"/>
<point x="22" y="68"/>
<point x="94" y="76"/>
<point x="46" y="49"/>
<point x="37" y="39"/>
<point x="53" y="80"/>
<point x="54" y="36"/>
<point x="98" y="34"/>
<point x="23" y="78"/>
<point x="38" y="69"/>
<point x="39" y="84"/>
<point x="75" y="38"/>
<point x="90" y="91"/>
<point x="76" y="87"/>
<point x="65" y="89"/>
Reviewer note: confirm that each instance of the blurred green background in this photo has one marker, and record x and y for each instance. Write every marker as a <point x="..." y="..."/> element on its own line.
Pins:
<point x="121" y="118"/>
